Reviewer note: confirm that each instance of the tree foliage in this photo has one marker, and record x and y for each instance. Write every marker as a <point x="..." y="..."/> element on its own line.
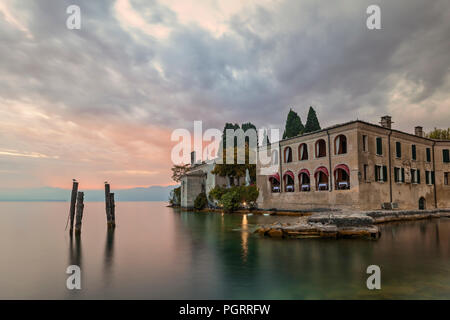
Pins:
<point x="236" y="170"/>
<point x="440" y="134"/>
<point x="200" y="201"/>
<point x="228" y="125"/>
<point x="265" y="141"/>
<point x="175" y="197"/>
<point x="294" y="125"/>
<point x="231" y="199"/>
<point x="312" y="123"/>
<point x="178" y="171"/>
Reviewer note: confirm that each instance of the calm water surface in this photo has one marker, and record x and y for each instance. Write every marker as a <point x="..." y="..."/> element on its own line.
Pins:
<point x="160" y="253"/>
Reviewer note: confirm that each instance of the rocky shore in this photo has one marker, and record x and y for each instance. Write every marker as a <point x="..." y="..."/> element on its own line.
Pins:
<point x="338" y="225"/>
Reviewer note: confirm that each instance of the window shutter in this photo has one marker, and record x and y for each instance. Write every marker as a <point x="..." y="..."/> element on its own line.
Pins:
<point x="379" y="146"/>
<point x="428" y="155"/>
<point x="427" y="177"/>
<point x="376" y="173"/>
<point x="413" y="150"/>
<point x="432" y="177"/>
<point x="385" y="177"/>
<point x="418" y="176"/>
<point x="396" y="174"/>
<point x="398" y="147"/>
<point x="445" y="155"/>
<point x="403" y="174"/>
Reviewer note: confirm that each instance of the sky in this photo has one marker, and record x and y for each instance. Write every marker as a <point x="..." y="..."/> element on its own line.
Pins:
<point x="100" y="103"/>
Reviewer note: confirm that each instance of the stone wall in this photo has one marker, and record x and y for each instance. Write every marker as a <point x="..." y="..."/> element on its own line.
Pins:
<point x="364" y="193"/>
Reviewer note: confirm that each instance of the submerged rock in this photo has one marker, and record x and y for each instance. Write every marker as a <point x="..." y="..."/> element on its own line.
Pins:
<point x="348" y="225"/>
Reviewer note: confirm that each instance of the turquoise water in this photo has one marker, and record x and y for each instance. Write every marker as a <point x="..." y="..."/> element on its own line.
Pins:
<point x="161" y="253"/>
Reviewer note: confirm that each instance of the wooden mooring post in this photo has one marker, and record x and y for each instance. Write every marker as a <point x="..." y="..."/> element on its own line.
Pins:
<point x="112" y="208"/>
<point x="73" y="200"/>
<point x="109" y="206"/>
<point x="80" y="209"/>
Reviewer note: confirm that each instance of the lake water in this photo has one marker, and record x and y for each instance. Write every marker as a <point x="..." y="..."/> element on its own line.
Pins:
<point x="161" y="253"/>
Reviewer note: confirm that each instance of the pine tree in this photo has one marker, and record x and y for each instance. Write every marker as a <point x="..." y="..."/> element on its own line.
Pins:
<point x="294" y="125"/>
<point x="312" y="123"/>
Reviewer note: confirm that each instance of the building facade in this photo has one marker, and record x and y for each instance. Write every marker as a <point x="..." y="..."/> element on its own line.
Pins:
<point x="199" y="178"/>
<point x="355" y="165"/>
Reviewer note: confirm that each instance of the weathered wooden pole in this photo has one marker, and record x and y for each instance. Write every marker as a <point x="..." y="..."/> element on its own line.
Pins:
<point x="80" y="208"/>
<point x="107" y="203"/>
<point x="112" y="211"/>
<point x="73" y="201"/>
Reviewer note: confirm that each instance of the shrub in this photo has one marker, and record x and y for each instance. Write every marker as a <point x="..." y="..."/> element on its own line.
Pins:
<point x="250" y="195"/>
<point x="216" y="193"/>
<point x="175" y="197"/>
<point x="231" y="200"/>
<point x="200" y="202"/>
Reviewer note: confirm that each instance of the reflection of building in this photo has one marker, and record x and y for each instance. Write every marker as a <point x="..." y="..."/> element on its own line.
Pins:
<point x="356" y="164"/>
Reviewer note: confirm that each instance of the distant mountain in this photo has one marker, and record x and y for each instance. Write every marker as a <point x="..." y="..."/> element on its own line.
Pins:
<point x="153" y="193"/>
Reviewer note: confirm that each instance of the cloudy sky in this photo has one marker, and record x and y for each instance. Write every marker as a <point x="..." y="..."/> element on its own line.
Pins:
<point x="101" y="102"/>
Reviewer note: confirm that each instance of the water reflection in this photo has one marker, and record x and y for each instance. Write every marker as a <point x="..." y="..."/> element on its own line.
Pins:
<point x="75" y="250"/>
<point x="158" y="253"/>
<point x="108" y="261"/>
<point x="244" y="237"/>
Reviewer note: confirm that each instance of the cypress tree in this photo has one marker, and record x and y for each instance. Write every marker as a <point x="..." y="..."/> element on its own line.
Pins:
<point x="265" y="140"/>
<point x="312" y="123"/>
<point x="294" y="125"/>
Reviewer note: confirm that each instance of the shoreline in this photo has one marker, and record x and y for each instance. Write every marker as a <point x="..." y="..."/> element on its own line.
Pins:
<point x="352" y="224"/>
<point x="332" y="224"/>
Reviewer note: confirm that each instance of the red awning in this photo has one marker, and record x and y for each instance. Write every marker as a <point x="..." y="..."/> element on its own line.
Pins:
<point x="275" y="176"/>
<point x="304" y="171"/>
<point x="290" y="174"/>
<point x="343" y="167"/>
<point x="322" y="169"/>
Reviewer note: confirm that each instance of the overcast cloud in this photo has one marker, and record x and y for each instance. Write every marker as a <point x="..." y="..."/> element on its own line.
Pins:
<point x="100" y="103"/>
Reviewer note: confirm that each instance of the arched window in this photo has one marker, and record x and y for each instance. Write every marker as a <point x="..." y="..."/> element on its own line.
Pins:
<point x="288" y="180"/>
<point x="304" y="180"/>
<point x="321" y="148"/>
<point x="275" y="182"/>
<point x="287" y="154"/>
<point x="275" y="157"/>
<point x="321" y="177"/>
<point x="340" y="144"/>
<point x="342" y="177"/>
<point x="303" y="152"/>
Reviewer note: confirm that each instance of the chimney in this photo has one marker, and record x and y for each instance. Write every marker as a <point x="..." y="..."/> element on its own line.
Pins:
<point x="418" y="131"/>
<point x="193" y="158"/>
<point x="386" y="122"/>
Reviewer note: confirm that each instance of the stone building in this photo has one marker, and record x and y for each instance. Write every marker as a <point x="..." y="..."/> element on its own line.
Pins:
<point x="356" y="165"/>
<point x="199" y="178"/>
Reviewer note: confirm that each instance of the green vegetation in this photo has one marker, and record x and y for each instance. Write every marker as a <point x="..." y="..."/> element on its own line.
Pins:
<point x="236" y="170"/>
<point x="175" y="197"/>
<point x="266" y="140"/>
<point x="231" y="199"/>
<point x="440" y="134"/>
<point x="201" y="201"/>
<point x="178" y="171"/>
<point x="294" y="125"/>
<point x="216" y="193"/>
<point x="312" y="123"/>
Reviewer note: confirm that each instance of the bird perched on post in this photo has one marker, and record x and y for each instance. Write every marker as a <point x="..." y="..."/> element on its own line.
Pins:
<point x="106" y="182"/>
<point x="74" y="180"/>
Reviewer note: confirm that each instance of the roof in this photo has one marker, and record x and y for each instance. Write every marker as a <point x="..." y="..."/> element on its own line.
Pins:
<point x="366" y="123"/>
